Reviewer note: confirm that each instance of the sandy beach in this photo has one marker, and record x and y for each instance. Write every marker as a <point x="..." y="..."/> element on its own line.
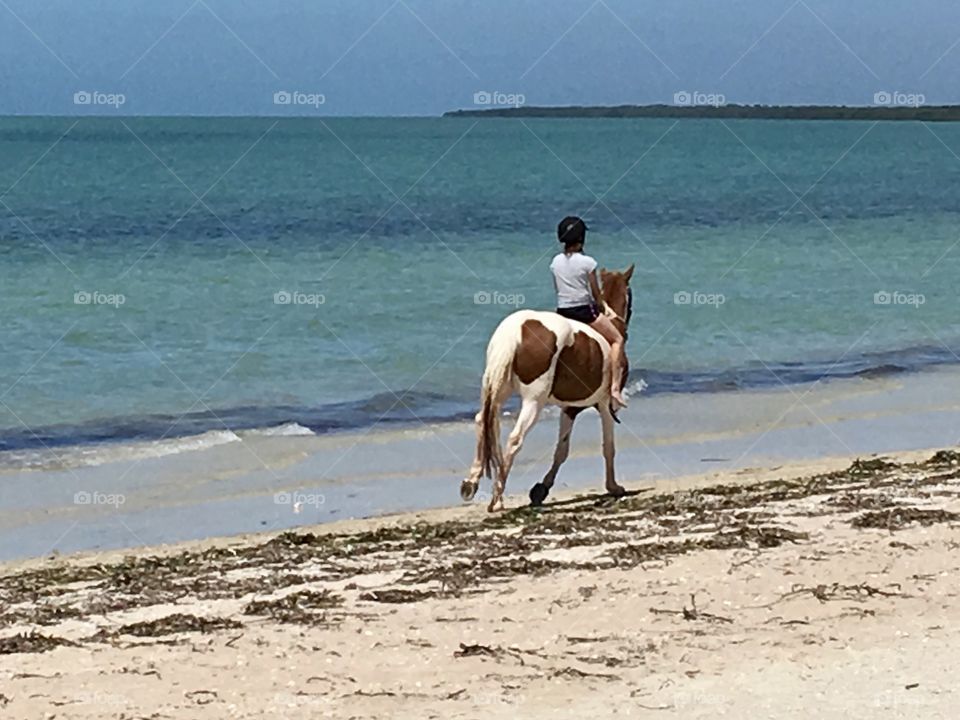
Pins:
<point x="825" y="589"/>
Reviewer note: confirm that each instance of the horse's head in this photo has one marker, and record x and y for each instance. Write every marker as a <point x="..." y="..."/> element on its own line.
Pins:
<point x="618" y="296"/>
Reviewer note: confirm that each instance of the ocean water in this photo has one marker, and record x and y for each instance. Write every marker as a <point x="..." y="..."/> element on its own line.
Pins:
<point x="179" y="278"/>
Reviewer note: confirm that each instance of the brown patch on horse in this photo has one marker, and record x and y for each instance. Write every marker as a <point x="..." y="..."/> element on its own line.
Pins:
<point x="579" y="372"/>
<point x="533" y="357"/>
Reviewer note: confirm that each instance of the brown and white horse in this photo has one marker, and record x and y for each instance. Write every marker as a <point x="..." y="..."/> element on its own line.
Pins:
<point x="547" y="360"/>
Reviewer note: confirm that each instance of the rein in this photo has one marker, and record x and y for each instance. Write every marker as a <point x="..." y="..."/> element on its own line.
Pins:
<point x="614" y="315"/>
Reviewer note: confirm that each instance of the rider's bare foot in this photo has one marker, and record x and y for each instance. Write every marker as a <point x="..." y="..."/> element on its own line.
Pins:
<point x="617" y="402"/>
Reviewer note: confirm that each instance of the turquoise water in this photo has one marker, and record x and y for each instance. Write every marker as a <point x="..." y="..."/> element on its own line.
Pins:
<point x="309" y="207"/>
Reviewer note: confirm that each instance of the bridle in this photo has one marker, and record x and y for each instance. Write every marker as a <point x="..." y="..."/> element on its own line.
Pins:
<point x="614" y="315"/>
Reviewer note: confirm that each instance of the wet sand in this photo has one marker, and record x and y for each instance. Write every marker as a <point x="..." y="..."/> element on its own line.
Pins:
<point x="823" y="589"/>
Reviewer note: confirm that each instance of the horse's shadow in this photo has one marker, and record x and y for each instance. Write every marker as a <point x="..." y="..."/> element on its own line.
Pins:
<point x="593" y="499"/>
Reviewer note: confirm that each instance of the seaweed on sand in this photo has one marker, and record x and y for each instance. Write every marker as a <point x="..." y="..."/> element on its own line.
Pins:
<point x="900" y="517"/>
<point x="42" y="613"/>
<point x="944" y="458"/>
<point x="397" y="596"/>
<point x="851" y="501"/>
<point x="298" y="607"/>
<point x="176" y="623"/>
<point x="445" y="558"/>
<point x="31" y="642"/>
<point x="631" y="555"/>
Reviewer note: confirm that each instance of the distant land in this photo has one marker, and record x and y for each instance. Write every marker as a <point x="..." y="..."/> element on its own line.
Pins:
<point x="927" y="113"/>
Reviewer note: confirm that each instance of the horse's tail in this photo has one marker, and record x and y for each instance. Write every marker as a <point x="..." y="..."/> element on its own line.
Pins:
<point x="497" y="376"/>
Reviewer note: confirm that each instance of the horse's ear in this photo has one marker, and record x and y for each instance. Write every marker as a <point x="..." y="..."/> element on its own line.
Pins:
<point x="628" y="273"/>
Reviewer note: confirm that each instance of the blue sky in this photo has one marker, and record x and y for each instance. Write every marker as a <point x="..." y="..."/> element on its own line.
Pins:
<point x="422" y="57"/>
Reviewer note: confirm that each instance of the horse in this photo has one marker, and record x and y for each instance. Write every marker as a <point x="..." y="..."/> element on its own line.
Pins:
<point x="547" y="360"/>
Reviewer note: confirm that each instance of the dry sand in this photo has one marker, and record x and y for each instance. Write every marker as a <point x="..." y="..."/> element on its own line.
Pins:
<point x="796" y="593"/>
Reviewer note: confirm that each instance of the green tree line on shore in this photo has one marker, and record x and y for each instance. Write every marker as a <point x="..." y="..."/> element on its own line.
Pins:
<point x="926" y="113"/>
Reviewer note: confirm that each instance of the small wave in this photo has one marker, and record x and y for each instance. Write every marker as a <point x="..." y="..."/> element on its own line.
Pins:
<point x="100" y="454"/>
<point x="291" y="429"/>
<point x="634" y="388"/>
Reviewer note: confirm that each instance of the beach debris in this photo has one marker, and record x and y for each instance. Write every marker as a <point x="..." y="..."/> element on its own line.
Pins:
<point x="900" y="517"/>
<point x="176" y="623"/>
<point x="572" y="672"/>
<point x="902" y="545"/>
<point x="398" y="596"/>
<point x="297" y="607"/>
<point x="41" y="613"/>
<point x="202" y="697"/>
<point x="944" y="458"/>
<point x="692" y="613"/>
<point x="835" y="591"/>
<point x="487" y="651"/>
<point x="32" y="642"/>
<point x="851" y="501"/>
<point x="473" y="650"/>
<point x="869" y="466"/>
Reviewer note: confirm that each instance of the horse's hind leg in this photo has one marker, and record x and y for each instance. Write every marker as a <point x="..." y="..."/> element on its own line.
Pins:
<point x="529" y="412"/>
<point x="539" y="492"/>
<point x="468" y="488"/>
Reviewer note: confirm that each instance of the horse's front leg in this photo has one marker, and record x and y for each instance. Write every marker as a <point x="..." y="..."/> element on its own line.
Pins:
<point x="606" y="420"/>
<point x="539" y="492"/>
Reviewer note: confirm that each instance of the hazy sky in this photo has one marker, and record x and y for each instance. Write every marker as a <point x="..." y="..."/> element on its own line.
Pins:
<point x="422" y="57"/>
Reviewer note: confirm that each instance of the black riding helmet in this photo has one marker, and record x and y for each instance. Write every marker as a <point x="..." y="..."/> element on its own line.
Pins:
<point x="571" y="230"/>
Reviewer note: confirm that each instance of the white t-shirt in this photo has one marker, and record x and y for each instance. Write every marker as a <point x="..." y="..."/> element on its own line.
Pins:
<point x="571" y="276"/>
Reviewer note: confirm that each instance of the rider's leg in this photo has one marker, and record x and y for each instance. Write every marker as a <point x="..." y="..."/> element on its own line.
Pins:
<point x="605" y="327"/>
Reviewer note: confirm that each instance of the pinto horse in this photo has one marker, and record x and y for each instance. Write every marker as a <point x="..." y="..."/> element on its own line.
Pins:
<point x="547" y="360"/>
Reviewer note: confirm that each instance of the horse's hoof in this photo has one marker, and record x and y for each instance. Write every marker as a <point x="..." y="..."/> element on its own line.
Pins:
<point x="468" y="490"/>
<point x="538" y="493"/>
<point x="617" y="491"/>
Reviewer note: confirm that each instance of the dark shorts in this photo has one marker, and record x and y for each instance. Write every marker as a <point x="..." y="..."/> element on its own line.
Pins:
<point x="581" y="313"/>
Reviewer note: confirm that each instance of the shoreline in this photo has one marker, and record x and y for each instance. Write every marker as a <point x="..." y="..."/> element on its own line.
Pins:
<point x="771" y="580"/>
<point x="666" y="442"/>
<point x="474" y="511"/>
